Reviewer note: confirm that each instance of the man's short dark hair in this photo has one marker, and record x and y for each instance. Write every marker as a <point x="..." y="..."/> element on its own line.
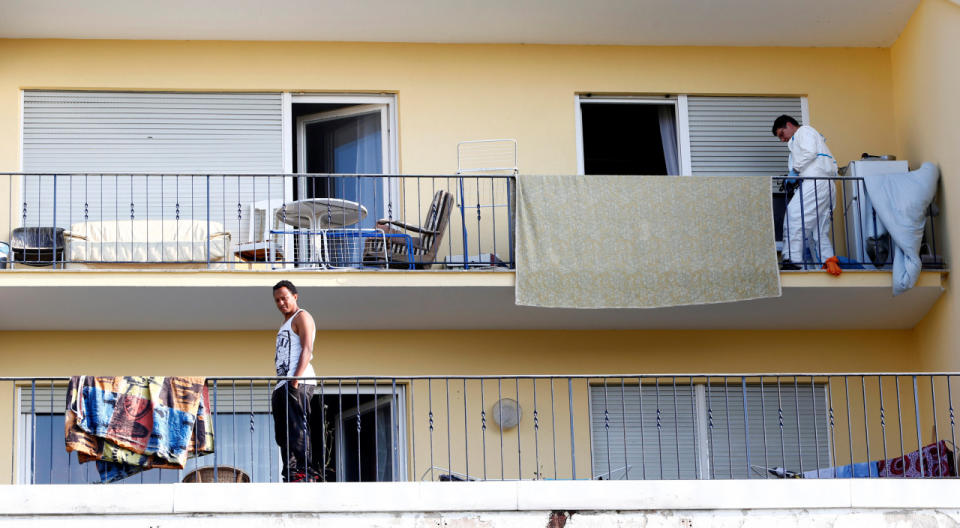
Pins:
<point x="781" y="122"/>
<point x="285" y="284"/>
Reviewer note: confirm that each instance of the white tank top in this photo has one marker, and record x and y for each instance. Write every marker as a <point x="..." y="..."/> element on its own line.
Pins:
<point x="288" y="353"/>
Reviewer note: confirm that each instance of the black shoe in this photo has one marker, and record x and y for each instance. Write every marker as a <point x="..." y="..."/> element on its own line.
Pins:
<point x="788" y="265"/>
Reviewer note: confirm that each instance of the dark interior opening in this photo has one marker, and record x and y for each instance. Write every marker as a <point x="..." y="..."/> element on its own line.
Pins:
<point x="316" y="187"/>
<point x="366" y="449"/>
<point x="622" y="138"/>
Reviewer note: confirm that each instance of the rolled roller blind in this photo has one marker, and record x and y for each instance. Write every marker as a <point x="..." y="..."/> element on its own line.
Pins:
<point x="730" y="136"/>
<point x="170" y="133"/>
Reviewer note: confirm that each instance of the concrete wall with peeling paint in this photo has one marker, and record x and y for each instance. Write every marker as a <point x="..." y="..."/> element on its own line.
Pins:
<point x="517" y="504"/>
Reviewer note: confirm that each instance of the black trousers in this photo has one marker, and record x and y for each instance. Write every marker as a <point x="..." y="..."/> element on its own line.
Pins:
<point x="291" y="425"/>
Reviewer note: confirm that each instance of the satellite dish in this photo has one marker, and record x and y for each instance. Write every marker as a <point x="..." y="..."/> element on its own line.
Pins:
<point x="506" y="413"/>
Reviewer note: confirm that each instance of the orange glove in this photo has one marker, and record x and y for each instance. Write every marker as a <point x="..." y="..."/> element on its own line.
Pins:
<point x="832" y="265"/>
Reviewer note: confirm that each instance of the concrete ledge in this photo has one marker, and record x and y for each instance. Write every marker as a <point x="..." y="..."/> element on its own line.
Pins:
<point x="86" y="499"/>
<point x="345" y="497"/>
<point x="477" y="497"/>
<point x="680" y="495"/>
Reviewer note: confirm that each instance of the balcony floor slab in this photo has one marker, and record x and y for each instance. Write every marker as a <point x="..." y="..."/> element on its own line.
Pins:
<point x="231" y="300"/>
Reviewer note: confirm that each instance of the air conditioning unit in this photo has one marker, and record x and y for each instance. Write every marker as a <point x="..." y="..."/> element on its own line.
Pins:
<point x="863" y="228"/>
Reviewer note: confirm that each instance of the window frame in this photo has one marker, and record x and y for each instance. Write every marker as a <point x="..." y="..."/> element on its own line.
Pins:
<point x="679" y="102"/>
<point x="682" y="117"/>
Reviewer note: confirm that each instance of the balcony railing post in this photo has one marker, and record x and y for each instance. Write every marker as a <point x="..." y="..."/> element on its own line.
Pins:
<point x="866" y="428"/>
<point x="643" y="455"/>
<point x="713" y="464"/>
<point x="208" y="219"/>
<point x="447" y="411"/>
<point x="483" y="429"/>
<point x="796" y="403"/>
<point x="746" y="421"/>
<point x="213" y="414"/>
<point x="726" y="410"/>
<point x="763" y="427"/>
<point x="394" y="432"/>
<point x="936" y="426"/>
<point x="573" y="440"/>
<point x="953" y="432"/>
<point x="606" y="430"/>
<point x="516" y="381"/>
<point x="359" y="442"/>
<point x="430" y="418"/>
<point x="623" y="421"/>
<point x="54" y="234"/>
<point x="846" y="395"/>
<point x="466" y="433"/>
<point x="916" y="410"/>
<point x="816" y="432"/>
<point x="903" y="458"/>
<point x="33" y="431"/>
<point x="463" y="227"/>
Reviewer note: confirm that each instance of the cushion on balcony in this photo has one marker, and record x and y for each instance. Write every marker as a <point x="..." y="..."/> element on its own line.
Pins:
<point x="644" y="241"/>
<point x="160" y="242"/>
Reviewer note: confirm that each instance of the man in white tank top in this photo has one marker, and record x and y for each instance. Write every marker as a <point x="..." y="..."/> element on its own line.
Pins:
<point x="290" y="400"/>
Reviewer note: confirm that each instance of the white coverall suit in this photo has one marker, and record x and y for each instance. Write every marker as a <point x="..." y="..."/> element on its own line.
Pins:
<point x="809" y="213"/>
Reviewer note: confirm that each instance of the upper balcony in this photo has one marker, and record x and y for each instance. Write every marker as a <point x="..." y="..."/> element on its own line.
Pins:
<point x="189" y="251"/>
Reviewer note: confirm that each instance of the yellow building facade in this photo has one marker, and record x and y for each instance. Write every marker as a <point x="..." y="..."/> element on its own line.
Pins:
<point x="896" y="100"/>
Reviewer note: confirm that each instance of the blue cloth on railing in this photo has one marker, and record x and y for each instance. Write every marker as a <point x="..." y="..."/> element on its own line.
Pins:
<point x="849" y="264"/>
<point x="858" y="470"/>
<point x="901" y="201"/>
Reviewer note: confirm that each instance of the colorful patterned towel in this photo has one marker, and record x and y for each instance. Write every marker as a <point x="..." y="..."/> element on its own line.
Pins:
<point x="129" y="424"/>
<point x="937" y="462"/>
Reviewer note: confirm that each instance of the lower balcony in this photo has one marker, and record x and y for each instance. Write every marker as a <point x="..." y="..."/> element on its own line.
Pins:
<point x="485" y="428"/>
<point x="674" y="450"/>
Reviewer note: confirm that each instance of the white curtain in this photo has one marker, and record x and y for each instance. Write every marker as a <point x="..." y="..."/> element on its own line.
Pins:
<point x="668" y="136"/>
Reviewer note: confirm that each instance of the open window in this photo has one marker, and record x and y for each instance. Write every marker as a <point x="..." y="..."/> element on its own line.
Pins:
<point x="628" y="136"/>
<point x="344" y="139"/>
<point x="352" y="135"/>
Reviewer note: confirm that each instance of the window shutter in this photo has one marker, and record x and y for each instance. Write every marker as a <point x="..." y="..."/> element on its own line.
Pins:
<point x="169" y="133"/>
<point x="665" y="452"/>
<point x="727" y="438"/>
<point x="730" y="136"/>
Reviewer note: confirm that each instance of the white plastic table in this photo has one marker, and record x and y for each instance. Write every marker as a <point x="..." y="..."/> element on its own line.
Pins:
<point x="319" y="215"/>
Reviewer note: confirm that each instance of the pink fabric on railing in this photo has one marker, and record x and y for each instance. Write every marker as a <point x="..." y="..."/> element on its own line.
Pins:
<point x="937" y="462"/>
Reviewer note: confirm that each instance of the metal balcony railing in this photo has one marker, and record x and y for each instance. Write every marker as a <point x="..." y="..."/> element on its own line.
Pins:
<point x="816" y="218"/>
<point x="454" y="428"/>
<point x="261" y="221"/>
<point x="332" y="221"/>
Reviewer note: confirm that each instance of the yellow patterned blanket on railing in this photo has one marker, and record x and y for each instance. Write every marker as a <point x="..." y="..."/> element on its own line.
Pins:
<point x="644" y="241"/>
